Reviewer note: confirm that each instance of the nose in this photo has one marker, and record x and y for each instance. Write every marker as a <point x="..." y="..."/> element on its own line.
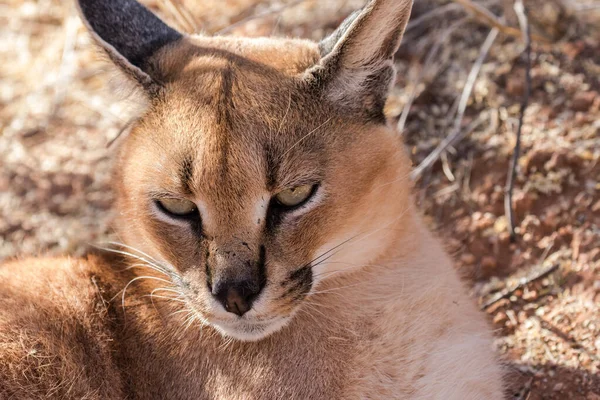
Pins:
<point x="236" y="297"/>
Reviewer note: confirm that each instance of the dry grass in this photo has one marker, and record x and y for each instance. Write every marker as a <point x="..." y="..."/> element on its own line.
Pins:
<point x="57" y="114"/>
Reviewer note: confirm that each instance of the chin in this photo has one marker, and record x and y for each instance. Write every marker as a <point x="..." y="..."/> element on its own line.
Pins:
<point x="248" y="330"/>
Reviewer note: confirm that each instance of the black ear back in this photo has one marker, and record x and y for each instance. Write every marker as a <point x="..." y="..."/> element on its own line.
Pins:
<point x="130" y="34"/>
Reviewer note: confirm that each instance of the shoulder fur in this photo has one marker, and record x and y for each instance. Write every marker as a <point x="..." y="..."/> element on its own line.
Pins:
<point x="54" y="341"/>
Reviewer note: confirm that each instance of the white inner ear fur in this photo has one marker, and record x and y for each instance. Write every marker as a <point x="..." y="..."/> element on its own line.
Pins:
<point x="351" y="82"/>
<point x="361" y="49"/>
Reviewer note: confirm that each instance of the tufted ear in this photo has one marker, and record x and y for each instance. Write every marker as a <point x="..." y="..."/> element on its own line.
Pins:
<point x="357" y="66"/>
<point x="131" y="35"/>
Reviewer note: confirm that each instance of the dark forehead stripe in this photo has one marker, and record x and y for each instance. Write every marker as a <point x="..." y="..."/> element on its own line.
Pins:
<point x="186" y="173"/>
<point x="225" y="103"/>
<point x="271" y="166"/>
<point x="224" y="117"/>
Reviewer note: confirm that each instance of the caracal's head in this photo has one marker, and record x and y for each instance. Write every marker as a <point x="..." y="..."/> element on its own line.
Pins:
<point x="261" y="167"/>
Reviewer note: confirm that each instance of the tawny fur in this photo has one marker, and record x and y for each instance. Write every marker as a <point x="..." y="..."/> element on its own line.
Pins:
<point x="235" y="121"/>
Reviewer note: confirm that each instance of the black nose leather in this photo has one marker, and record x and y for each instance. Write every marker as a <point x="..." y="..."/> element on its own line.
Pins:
<point x="236" y="297"/>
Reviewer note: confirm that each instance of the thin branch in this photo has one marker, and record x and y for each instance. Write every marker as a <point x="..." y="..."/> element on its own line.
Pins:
<point x="442" y="38"/>
<point x="183" y="18"/>
<point x="431" y="14"/>
<point x="61" y="84"/>
<point x="124" y="129"/>
<point x="586" y="7"/>
<point x="257" y="16"/>
<point x="485" y="16"/>
<point x="466" y="94"/>
<point x="506" y="293"/>
<point x="508" y="203"/>
<point x="525" y="392"/>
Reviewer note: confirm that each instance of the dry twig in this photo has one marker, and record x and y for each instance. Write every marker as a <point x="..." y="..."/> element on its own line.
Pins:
<point x="525" y="392"/>
<point x="483" y="15"/>
<point x="508" y="207"/>
<point x="441" y="39"/>
<point x="507" y="292"/>
<point x="438" y="11"/>
<point x="182" y="16"/>
<point x="257" y="16"/>
<point x="456" y="132"/>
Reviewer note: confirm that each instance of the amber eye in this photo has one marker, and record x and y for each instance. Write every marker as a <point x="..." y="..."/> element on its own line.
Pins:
<point x="177" y="207"/>
<point x="295" y="196"/>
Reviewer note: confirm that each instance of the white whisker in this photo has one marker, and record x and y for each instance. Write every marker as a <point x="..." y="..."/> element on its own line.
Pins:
<point x="309" y="307"/>
<point x="178" y="312"/>
<point x="337" y="271"/>
<point x="135" y="249"/>
<point x="153" y="296"/>
<point x="137" y="279"/>
<point x="190" y="321"/>
<point x="126" y="253"/>
<point x="360" y="236"/>
<point x="333" y="289"/>
<point x="168" y="290"/>
<point x="397" y="180"/>
<point x="305" y="136"/>
<point x="146" y="266"/>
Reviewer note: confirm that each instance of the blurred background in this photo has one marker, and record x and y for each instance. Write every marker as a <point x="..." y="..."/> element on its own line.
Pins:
<point x="462" y="70"/>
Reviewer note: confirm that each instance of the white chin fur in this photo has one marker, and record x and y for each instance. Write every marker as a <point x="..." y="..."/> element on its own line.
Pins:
<point x="248" y="331"/>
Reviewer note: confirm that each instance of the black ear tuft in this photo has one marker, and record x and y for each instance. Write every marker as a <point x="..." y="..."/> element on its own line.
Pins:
<point x="130" y="34"/>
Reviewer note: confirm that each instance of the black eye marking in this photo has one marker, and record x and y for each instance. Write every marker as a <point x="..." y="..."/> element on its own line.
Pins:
<point x="186" y="173"/>
<point x="276" y="210"/>
<point x="207" y="270"/>
<point x="271" y="165"/>
<point x="193" y="218"/>
<point x="262" y="268"/>
<point x="192" y="214"/>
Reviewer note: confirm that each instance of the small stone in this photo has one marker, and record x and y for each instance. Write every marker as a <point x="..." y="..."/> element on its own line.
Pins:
<point x="501" y="224"/>
<point x="498" y="305"/>
<point x="585" y="360"/>
<point x="485" y="222"/>
<point x="468" y="259"/>
<point x="512" y="317"/>
<point x="523" y="202"/>
<point x="582" y="101"/>
<point x="488" y="262"/>
<point x="558" y="387"/>
<point x="539" y="374"/>
<point x="500" y="317"/>
<point x="530" y="295"/>
<point x="515" y="83"/>
<point x="454" y="242"/>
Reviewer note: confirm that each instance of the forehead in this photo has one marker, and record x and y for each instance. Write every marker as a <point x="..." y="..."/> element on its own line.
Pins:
<point x="242" y="116"/>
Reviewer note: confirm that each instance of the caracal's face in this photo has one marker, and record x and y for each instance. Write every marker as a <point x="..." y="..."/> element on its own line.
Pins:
<point x="226" y="138"/>
<point x="261" y="167"/>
